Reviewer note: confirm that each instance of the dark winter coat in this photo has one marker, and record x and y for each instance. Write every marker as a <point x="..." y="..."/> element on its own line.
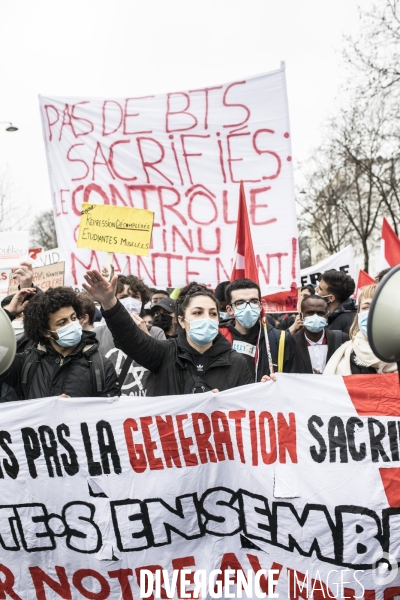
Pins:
<point x="343" y="316"/>
<point x="297" y="356"/>
<point x="173" y="360"/>
<point x="56" y="374"/>
<point x="273" y="338"/>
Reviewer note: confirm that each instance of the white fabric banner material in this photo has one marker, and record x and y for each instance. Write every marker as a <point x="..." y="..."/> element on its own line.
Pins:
<point x="181" y="155"/>
<point x="341" y="261"/>
<point x="289" y="476"/>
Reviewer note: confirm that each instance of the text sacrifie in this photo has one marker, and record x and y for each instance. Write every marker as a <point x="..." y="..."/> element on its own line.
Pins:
<point x="116" y="229"/>
<point x="273" y="476"/>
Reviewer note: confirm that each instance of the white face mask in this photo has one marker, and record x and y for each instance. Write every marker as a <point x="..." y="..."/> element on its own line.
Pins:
<point x="132" y="305"/>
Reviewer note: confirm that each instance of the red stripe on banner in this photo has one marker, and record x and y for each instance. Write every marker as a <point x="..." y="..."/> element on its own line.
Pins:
<point x="374" y="395"/>
<point x="378" y="395"/>
<point x="391" y="482"/>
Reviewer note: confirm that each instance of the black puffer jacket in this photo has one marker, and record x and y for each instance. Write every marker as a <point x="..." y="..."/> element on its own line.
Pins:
<point x="173" y="360"/>
<point x="57" y="375"/>
<point x="343" y="316"/>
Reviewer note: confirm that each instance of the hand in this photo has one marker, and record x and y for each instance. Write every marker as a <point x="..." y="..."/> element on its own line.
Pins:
<point x="215" y="391"/>
<point x="297" y="325"/>
<point x="64" y="396"/>
<point x="100" y="289"/>
<point x="140" y="323"/>
<point x="23" y="275"/>
<point x="20" y="302"/>
<point x="265" y="378"/>
<point x="108" y="272"/>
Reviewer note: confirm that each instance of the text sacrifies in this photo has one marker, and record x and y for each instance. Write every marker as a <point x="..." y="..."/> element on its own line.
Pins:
<point x="181" y="155"/>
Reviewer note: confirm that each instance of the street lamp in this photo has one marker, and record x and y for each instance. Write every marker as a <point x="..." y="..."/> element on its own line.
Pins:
<point x="10" y="127"/>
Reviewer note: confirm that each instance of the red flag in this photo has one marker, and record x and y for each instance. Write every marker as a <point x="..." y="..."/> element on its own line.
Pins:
<point x="363" y="280"/>
<point x="244" y="264"/>
<point x="390" y="248"/>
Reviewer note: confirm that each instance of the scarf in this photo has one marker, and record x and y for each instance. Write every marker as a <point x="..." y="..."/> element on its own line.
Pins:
<point x="339" y="363"/>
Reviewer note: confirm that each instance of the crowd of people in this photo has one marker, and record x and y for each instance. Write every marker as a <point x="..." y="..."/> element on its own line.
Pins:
<point x="120" y="337"/>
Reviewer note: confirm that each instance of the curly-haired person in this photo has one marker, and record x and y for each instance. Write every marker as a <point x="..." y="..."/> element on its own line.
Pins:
<point x="64" y="360"/>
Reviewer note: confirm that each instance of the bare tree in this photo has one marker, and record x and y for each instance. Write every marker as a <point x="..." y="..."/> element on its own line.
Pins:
<point x="347" y="186"/>
<point x="352" y="180"/>
<point x="43" y="231"/>
<point x="13" y="216"/>
<point x="375" y="52"/>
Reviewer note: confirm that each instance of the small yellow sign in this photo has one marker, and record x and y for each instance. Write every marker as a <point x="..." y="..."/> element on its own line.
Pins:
<point x="116" y="229"/>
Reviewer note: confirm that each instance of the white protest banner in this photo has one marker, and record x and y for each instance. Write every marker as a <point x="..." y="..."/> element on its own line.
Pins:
<point x="181" y="155"/>
<point x="14" y="246"/>
<point x="4" y="278"/>
<point x="49" y="257"/>
<point x="299" y="476"/>
<point x="341" y="261"/>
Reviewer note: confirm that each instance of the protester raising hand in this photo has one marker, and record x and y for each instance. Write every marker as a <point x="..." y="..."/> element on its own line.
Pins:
<point x="198" y="359"/>
<point x="20" y="301"/>
<point x="100" y="289"/>
<point x="23" y="274"/>
<point x="108" y="272"/>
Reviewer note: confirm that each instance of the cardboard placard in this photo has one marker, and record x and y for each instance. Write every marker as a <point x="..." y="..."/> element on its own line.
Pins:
<point x="115" y="229"/>
<point x="43" y="277"/>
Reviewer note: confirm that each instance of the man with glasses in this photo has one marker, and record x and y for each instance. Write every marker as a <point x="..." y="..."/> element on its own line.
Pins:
<point x="245" y="331"/>
<point x="308" y="350"/>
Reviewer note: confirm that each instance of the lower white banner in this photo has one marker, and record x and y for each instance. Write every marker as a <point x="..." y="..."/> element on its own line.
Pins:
<point x="288" y="488"/>
<point x="341" y="261"/>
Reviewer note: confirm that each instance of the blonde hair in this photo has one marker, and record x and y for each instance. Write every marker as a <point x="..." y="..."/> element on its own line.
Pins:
<point x="366" y="292"/>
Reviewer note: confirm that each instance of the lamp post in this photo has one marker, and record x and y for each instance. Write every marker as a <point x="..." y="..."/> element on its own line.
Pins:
<point x="10" y="127"/>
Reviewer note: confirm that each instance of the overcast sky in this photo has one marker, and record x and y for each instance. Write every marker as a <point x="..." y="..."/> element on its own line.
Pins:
<point x="137" y="47"/>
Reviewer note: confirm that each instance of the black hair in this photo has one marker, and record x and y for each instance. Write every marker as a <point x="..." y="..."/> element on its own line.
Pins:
<point x="159" y="292"/>
<point x="88" y="306"/>
<point x="241" y="284"/>
<point x="308" y="287"/>
<point x="380" y="275"/>
<point x="220" y="290"/>
<point x="136" y="285"/>
<point x="312" y="297"/>
<point x="191" y="291"/>
<point x="339" y="284"/>
<point x="36" y="314"/>
<point x="6" y="301"/>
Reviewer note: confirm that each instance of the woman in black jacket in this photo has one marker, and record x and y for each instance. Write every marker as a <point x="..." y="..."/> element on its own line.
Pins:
<point x="199" y="359"/>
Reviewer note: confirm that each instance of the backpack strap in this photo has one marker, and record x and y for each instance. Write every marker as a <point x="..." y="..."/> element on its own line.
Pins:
<point x="97" y="373"/>
<point x="281" y="351"/>
<point x="29" y="367"/>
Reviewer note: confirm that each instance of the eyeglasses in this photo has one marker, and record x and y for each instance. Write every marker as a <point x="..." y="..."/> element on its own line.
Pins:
<point x="254" y="303"/>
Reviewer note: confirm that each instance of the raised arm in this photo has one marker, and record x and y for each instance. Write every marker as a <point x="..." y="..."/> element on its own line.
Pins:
<point x="127" y="336"/>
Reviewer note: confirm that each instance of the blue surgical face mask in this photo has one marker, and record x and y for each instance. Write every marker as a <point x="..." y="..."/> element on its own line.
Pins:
<point x="315" y="323"/>
<point x="224" y="316"/>
<point x="69" y="335"/>
<point x="247" y="316"/>
<point x="363" y="321"/>
<point x="203" y="331"/>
